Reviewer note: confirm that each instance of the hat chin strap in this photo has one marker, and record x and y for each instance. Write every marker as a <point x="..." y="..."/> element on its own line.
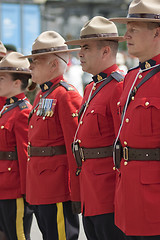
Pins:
<point x="61" y="58"/>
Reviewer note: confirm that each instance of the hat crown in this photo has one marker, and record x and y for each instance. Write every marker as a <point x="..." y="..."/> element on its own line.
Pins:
<point x="48" y="39"/>
<point x="144" y="7"/>
<point x="99" y="25"/>
<point x="3" y="50"/>
<point x="13" y="60"/>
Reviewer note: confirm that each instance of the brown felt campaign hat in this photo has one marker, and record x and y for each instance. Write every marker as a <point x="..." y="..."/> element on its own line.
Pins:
<point x="49" y="42"/>
<point x="14" y="64"/>
<point x="141" y="11"/>
<point x="98" y="28"/>
<point x="3" y="50"/>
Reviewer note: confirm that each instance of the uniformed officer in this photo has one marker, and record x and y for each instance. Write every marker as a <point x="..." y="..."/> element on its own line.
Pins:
<point x="51" y="180"/>
<point x="98" y="124"/>
<point x="15" y="217"/>
<point x="138" y="189"/>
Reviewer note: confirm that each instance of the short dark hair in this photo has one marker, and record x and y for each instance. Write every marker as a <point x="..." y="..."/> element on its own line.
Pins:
<point x="112" y="44"/>
<point x="152" y="25"/>
<point x="24" y="78"/>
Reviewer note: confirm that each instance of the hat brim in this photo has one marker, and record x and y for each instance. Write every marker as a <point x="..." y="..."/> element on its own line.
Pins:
<point x="14" y="71"/>
<point x="126" y="20"/>
<point x="51" y="52"/>
<point x="80" y="41"/>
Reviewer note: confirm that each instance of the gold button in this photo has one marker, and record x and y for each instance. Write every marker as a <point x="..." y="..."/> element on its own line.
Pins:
<point x="5" y="108"/>
<point x="140" y="76"/>
<point x="31" y="126"/>
<point x="127" y="120"/>
<point x="82" y="160"/>
<point x="34" y="110"/>
<point x="94" y="88"/>
<point x="43" y="118"/>
<point x="40" y="96"/>
<point x="114" y="168"/>
<point x="118" y="103"/>
<point x="125" y="143"/>
<point x="81" y="122"/>
<point x="146" y="103"/>
<point x="79" y="141"/>
<point x="2" y="127"/>
<point x="92" y="111"/>
<point x="125" y="163"/>
<point x="28" y="159"/>
<point x="29" y="143"/>
<point x="9" y="169"/>
<point x="132" y="98"/>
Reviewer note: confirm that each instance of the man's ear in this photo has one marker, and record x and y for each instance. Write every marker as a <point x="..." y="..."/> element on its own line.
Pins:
<point x="157" y="33"/>
<point x="106" y="50"/>
<point x="17" y="83"/>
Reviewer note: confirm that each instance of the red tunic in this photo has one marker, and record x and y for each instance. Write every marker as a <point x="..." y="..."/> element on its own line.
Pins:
<point x="13" y="133"/>
<point x="99" y="124"/>
<point x="138" y="188"/>
<point x="52" y="179"/>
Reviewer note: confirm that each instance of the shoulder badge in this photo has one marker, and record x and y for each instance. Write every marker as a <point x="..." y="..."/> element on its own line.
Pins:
<point x="23" y="105"/>
<point x="66" y="86"/>
<point x="117" y="76"/>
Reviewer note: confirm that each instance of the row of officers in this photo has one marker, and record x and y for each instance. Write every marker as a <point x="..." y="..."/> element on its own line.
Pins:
<point x="98" y="156"/>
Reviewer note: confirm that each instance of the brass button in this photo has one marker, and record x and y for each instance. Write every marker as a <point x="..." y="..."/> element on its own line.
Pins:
<point x="127" y="120"/>
<point x="140" y="76"/>
<point x="82" y="160"/>
<point x="29" y="143"/>
<point x="9" y="169"/>
<point x="31" y="126"/>
<point x="79" y="141"/>
<point x="40" y="96"/>
<point x="94" y="88"/>
<point x="118" y="103"/>
<point x="114" y="168"/>
<point x="5" y="108"/>
<point x="2" y="127"/>
<point x="132" y="98"/>
<point x="43" y="118"/>
<point x="28" y="159"/>
<point x="81" y="122"/>
<point x="125" y="163"/>
<point x="125" y="143"/>
<point x="146" y="103"/>
<point x="92" y="111"/>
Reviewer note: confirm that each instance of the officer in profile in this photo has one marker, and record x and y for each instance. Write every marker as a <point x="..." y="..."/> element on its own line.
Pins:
<point x="138" y="189"/>
<point x="98" y="124"/>
<point x="51" y="180"/>
<point x="3" y="52"/>
<point x="15" y="216"/>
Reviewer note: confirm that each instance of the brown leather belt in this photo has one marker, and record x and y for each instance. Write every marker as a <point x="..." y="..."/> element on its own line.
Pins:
<point x="141" y="154"/>
<point x="8" y="155"/>
<point x="89" y="153"/>
<point x="46" y="151"/>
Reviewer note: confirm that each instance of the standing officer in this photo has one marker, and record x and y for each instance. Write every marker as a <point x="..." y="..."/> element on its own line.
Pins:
<point x="51" y="180"/>
<point x="15" y="217"/>
<point x="97" y="127"/>
<point x="138" y="189"/>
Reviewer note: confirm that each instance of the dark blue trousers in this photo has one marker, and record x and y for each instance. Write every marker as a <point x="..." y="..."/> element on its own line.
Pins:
<point x="56" y="221"/>
<point x="15" y="219"/>
<point x="102" y="227"/>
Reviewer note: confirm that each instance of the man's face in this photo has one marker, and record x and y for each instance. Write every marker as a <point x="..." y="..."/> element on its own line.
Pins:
<point x="40" y="69"/>
<point x="90" y="57"/>
<point x="139" y="40"/>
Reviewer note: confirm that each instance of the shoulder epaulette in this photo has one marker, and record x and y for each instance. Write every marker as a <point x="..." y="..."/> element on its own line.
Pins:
<point x="66" y="86"/>
<point x="132" y="69"/>
<point x="117" y="76"/>
<point x="23" y="105"/>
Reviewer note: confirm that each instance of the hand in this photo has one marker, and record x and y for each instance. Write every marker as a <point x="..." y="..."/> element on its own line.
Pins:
<point x="76" y="207"/>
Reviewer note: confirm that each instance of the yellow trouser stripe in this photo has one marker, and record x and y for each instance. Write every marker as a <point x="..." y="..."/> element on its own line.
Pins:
<point x="19" y="219"/>
<point x="60" y="222"/>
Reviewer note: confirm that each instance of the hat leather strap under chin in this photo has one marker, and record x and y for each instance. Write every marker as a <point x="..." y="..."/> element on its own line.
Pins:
<point x="144" y="15"/>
